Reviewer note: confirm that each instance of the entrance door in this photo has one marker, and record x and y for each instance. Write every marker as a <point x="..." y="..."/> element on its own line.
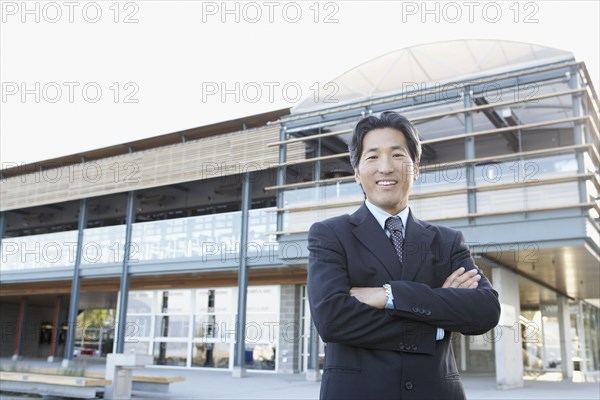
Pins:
<point x="305" y="332"/>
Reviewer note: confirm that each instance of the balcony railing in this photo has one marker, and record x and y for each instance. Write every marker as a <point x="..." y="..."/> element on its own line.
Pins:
<point x="519" y="183"/>
<point x="194" y="237"/>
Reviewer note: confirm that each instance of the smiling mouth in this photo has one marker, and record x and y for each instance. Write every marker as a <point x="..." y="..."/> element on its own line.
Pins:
<point x="386" y="183"/>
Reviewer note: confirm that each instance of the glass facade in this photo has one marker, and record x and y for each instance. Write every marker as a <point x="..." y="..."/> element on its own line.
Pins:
<point x="203" y="237"/>
<point x="588" y="339"/>
<point x="39" y="251"/>
<point x="197" y="327"/>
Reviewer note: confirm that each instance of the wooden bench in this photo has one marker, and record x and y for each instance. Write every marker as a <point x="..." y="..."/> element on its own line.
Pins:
<point x="161" y="384"/>
<point x="55" y="385"/>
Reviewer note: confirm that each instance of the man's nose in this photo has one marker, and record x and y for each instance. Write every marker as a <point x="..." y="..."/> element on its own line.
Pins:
<point x="386" y="165"/>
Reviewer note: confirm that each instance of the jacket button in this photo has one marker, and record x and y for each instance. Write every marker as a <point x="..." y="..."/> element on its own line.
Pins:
<point x="421" y="311"/>
<point x="415" y="309"/>
<point x="414" y="347"/>
<point x="401" y="346"/>
<point x="427" y="312"/>
<point x="408" y="385"/>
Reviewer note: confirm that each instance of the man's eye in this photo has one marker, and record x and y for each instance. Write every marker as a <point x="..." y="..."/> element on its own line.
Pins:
<point x="371" y="157"/>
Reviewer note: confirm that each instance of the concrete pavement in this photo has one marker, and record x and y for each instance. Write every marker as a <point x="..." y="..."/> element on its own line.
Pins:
<point x="220" y="385"/>
<point x="203" y="384"/>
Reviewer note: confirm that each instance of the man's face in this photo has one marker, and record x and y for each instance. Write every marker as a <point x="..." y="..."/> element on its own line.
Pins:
<point x="385" y="170"/>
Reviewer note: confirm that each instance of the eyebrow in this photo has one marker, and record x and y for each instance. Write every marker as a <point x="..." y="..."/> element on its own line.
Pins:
<point x="377" y="148"/>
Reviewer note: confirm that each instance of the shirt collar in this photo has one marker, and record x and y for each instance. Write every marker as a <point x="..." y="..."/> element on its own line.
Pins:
<point x="381" y="215"/>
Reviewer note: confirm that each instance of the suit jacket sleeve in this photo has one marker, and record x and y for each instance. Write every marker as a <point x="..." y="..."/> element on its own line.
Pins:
<point x="342" y="318"/>
<point x="469" y="311"/>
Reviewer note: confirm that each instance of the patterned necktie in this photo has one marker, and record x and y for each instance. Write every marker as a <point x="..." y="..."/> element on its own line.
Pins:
<point x="394" y="225"/>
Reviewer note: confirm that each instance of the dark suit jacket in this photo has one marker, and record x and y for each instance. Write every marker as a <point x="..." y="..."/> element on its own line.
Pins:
<point x="377" y="354"/>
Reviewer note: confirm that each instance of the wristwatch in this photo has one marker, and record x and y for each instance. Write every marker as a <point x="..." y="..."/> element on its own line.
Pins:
<point x="388" y="292"/>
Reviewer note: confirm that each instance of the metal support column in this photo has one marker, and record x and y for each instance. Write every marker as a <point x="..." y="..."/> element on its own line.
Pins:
<point x="565" y="337"/>
<point x="313" y="373"/>
<point x="583" y="357"/>
<point x="317" y="172"/>
<point x="318" y="154"/>
<point x="124" y="288"/>
<point x="281" y="178"/>
<point x="75" y="285"/>
<point x="2" y="228"/>
<point x="21" y="320"/>
<point x="239" y="368"/>
<point x="55" y="329"/>
<point x="470" y="152"/>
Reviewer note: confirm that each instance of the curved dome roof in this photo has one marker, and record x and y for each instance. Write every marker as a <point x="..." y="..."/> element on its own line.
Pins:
<point x="433" y="63"/>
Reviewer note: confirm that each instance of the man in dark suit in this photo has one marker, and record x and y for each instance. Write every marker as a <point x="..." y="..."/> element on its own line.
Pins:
<point x="386" y="289"/>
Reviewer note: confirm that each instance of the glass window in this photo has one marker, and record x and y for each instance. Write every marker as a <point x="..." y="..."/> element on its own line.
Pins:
<point x="136" y="347"/>
<point x="214" y="328"/>
<point x="140" y="302"/>
<point x="138" y="326"/>
<point x="214" y="301"/>
<point x="174" y="301"/>
<point x="591" y="323"/>
<point x="440" y="178"/>
<point x="525" y="171"/>
<point x="260" y="356"/>
<point x="211" y="327"/>
<point x="262" y="221"/>
<point x="170" y="353"/>
<point x="200" y="236"/>
<point x="211" y="355"/>
<point x="39" y="251"/>
<point x="168" y="315"/>
<point x="103" y="245"/>
<point x="523" y="198"/>
<point x="302" y="220"/>
<point x="262" y="327"/>
<point x="327" y="194"/>
<point x="172" y="326"/>
<point x="440" y="207"/>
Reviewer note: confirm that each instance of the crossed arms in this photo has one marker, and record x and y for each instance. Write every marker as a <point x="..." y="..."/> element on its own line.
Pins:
<point x="376" y="296"/>
<point x="355" y="316"/>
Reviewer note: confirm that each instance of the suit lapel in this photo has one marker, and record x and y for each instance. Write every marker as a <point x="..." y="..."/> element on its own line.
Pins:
<point x="368" y="231"/>
<point x="417" y="243"/>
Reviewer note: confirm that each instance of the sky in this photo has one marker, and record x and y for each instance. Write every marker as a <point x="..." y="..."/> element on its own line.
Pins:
<point x="81" y="75"/>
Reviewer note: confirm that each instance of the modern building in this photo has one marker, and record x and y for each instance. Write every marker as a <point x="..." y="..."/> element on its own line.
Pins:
<point x="160" y="234"/>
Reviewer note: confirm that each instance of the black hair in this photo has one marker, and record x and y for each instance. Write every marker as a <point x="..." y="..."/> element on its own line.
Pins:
<point x="387" y="119"/>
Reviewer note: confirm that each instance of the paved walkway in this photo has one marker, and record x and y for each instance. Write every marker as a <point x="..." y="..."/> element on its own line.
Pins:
<point x="220" y="385"/>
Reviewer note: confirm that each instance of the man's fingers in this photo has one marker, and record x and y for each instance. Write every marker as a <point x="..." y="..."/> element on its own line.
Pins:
<point x="471" y="283"/>
<point x="462" y="279"/>
<point x="456" y="274"/>
<point x="459" y="277"/>
<point x="468" y="283"/>
<point x="450" y="281"/>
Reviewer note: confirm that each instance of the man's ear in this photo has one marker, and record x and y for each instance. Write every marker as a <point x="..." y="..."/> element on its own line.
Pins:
<point x="357" y="179"/>
<point x="357" y="176"/>
<point x="416" y="171"/>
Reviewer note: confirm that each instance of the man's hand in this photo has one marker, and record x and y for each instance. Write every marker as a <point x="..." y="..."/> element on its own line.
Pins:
<point x="462" y="279"/>
<point x="372" y="296"/>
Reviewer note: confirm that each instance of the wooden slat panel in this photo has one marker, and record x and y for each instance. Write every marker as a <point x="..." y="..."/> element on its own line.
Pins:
<point x="205" y="279"/>
<point x="206" y="158"/>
